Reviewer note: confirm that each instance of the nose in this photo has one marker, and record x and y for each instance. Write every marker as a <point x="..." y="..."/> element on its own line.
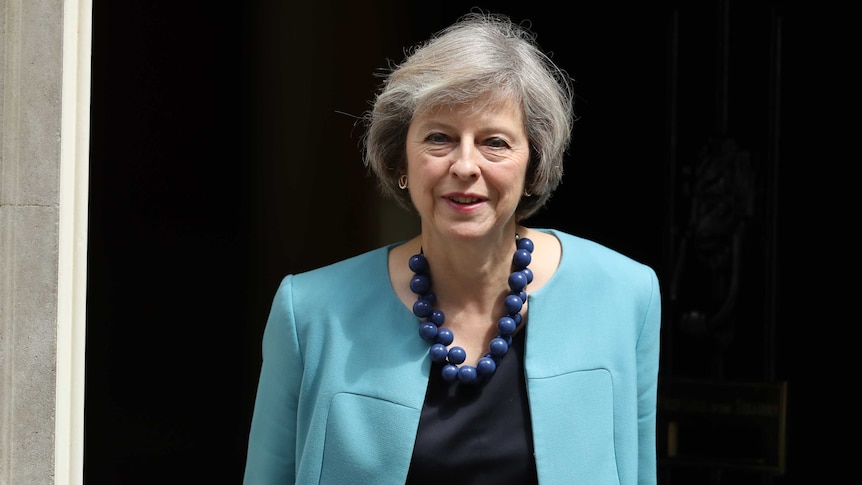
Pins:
<point x="466" y="161"/>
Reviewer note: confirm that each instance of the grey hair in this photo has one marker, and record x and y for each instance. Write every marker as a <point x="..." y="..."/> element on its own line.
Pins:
<point x="480" y="60"/>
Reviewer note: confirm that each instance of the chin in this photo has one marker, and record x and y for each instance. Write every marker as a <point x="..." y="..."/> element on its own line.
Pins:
<point x="471" y="232"/>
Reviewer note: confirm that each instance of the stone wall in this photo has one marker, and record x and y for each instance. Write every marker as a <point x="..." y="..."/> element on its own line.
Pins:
<point x="31" y="91"/>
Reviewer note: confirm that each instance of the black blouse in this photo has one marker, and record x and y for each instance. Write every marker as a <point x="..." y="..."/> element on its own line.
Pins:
<point x="476" y="434"/>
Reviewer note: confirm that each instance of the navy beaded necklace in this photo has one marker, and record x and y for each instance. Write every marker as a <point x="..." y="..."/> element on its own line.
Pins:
<point x="440" y="338"/>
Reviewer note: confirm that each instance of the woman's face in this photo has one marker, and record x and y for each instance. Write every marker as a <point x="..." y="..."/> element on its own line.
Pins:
<point x="466" y="169"/>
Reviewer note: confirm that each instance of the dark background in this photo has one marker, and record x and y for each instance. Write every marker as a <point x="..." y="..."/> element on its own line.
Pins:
<point x="225" y="155"/>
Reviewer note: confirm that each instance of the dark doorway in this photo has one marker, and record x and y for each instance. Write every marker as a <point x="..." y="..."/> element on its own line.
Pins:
<point x="225" y="155"/>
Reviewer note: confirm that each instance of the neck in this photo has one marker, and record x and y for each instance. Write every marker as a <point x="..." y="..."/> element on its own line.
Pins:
<point x="471" y="271"/>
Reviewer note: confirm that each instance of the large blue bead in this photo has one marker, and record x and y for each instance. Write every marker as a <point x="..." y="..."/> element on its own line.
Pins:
<point x="450" y="373"/>
<point x="437" y="317"/>
<point x="525" y="243"/>
<point x="529" y="274"/>
<point x="517" y="281"/>
<point x="457" y="355"/>
<point x="420" y="284"/>
<point x="428" y="331"/>
<point x="421" y="308"/>
<point x="498" y="347"/>
<point x="486" y="366"/>
<point x="438" y="352"/>
<point x="445" y="336"/>
<point x="506" y="325"/>
<point x="521" y="259"/>
<point x="513" y="304"/>
<point x="418" y="264"/>
<point x="467" y="374"/>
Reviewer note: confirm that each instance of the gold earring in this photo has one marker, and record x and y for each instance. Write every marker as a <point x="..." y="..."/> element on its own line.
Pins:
<point x="402" y="182"/>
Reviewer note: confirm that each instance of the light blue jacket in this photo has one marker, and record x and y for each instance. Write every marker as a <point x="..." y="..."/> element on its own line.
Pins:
<point x="344" y="374"/>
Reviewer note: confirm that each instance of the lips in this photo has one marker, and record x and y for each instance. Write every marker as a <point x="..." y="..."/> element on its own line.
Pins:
<point x="461" y="199"/>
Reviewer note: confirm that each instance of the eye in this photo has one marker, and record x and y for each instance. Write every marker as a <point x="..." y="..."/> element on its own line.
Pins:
<point x="497" y="142"/>
<point x="437" y="138"/>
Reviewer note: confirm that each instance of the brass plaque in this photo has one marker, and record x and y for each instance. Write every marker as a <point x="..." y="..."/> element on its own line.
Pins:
<point x="722" y="424"/>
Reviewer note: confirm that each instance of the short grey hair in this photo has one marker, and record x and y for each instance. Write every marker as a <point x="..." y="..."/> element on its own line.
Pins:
<point x="480" y="60"/>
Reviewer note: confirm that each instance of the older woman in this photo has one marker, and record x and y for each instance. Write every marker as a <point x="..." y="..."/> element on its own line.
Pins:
<point x="481" y="350"/>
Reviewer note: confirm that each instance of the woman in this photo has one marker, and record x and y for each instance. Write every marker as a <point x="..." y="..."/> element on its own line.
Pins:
<point x="481" y="350"/>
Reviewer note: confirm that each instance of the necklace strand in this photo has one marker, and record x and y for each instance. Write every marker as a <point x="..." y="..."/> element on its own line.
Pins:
<point x="431" y="329"/>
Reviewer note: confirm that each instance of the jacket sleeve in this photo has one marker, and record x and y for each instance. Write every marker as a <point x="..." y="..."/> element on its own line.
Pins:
<point x="648" y="366"/>
<point x="271" y="456"/>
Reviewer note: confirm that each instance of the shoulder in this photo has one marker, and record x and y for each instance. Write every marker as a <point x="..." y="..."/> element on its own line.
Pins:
<point x="584" y="250"/>
<point x="585" y="258"/>
<point x="592" y="275"/>
<point x="348" y="270"/>
<point x="339" y="280"/>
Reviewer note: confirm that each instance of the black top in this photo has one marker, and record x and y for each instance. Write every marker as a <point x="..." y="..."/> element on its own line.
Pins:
<point x="479" y="433"/>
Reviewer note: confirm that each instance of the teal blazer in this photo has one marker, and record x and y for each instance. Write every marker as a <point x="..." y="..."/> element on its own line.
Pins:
<point x="344" y="374"/>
